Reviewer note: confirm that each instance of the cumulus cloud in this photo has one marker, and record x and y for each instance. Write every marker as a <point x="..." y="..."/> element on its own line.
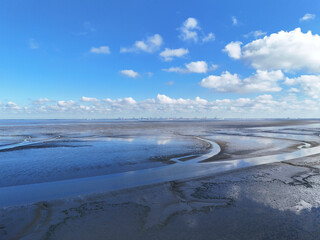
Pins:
<point x="310" y="84"/>
<point x="165" y="103"/>
<point x="165" y="100"/>
<point x="293" y="90"/>
<point x="127" y="100"/>
<point x="88" y="99"/>
<point x="100" y="50"/>
<point x="191" y="31"/>
<point x="169" y="54"/>
<point x="288" y="51"/>
<point x="150" y="45"/>
<point x="193" y="67"/>
<point x="233" y="49"/>
<point x="120" y="104"/>
<point x="68" y="103"/>
<point x="162" y="105"/>
<point x="41" y="101"/>
<point x="308" y="16"/>
<point x="12" y="106"/>
<point x="129" y="73"/>
<point x="261" y="81"/>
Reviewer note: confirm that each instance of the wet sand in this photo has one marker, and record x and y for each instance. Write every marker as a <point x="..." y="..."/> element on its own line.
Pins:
<point x="275" y="199"/>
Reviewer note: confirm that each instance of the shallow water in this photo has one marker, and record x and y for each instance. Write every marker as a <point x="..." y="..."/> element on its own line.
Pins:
<point x="55" y="159"/>
<point x="59" y="160"/>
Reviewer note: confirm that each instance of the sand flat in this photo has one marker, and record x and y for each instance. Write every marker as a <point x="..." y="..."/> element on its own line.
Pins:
<point x="266" y="186"/>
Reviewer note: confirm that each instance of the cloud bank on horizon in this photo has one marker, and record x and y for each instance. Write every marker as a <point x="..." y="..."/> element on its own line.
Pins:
<point x="163" y="106"/>
<point x="180" y="68"/>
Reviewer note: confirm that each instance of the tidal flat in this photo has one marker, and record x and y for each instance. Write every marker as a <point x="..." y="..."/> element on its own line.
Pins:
<point x="193" y="179"/>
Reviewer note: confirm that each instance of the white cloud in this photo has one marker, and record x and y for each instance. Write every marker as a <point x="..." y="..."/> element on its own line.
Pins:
<point x="189" y="30"/>
<point x="255" y="34"/>
<point x="191" y="23"/>
<point x="293" y="90"/>
<point x="33" y="44"/>
<point x="12" y="106"/>
<point x="201" y="101"/>
<point x="41" y="101"/>
<point x="88" y="99"/>
<point x="208" y="38"/>
<point x="197" y="67"/>
<point x="168" y="54"/>
<point x="226" y="82"/>
<point x="68" y="103"/>
<point x="163" y="99"/>
<point x="193" y="67"/>
<point x="100" y="50"/>
<point x="276" y="51"/>
<point x="234" y="20"/>
<point x="233" y="49"/>
<point x="261" y="81"/>
<point x="119" y="104"/>
<point x="151" y="44"/>
<point x="164" y="106"/>
<point x="310" y="84"/>
<point x="308" y="16"/>
<point x="288" y="51"/>
<point x="128" y="100"/>
<point x="129" y="73"/>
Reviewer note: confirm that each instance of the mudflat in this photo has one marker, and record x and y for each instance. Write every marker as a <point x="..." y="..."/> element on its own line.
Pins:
<point x="217" y="179"/>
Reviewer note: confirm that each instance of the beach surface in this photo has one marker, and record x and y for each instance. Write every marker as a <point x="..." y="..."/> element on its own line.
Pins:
<point x="218" y="179"/>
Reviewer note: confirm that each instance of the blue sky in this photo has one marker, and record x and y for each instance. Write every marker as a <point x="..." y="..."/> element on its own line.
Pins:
<point x="63" y="59"/>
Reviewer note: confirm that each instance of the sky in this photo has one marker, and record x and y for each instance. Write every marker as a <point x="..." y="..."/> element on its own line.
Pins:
<point x="170" y="59"/>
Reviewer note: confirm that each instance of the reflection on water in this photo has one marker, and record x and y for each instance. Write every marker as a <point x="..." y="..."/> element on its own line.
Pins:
<point x="80" y="163"/>
<point x="129" y="139"/>
<point x="40" y="160"/>
<point x="163" y="141"/>
<point x="178" y="171"/>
